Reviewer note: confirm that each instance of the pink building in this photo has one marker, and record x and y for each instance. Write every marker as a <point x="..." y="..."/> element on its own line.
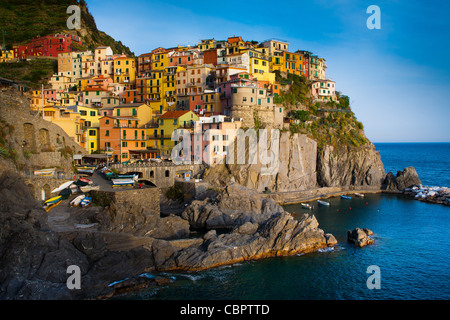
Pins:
<point x="211" y="138"/>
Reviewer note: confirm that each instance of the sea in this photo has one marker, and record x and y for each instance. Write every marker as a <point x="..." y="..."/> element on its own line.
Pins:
<point x="409" y="260"/>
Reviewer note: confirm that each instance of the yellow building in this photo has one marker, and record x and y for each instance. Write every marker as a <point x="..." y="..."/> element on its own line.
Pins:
<point x="69" y="120"/>
<point x="125" y="70"/>
<point x="7" y="56"/>
<point x="91" y="120"/>
<point x="293" y="63"/>
<point x="160" y="137"/>
<point x="141" y="111"/>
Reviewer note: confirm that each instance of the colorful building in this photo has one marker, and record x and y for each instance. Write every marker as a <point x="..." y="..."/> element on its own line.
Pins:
<point x="125" y="70"/>
<point x="124" y="137"/>
<point x="160" y="137"/>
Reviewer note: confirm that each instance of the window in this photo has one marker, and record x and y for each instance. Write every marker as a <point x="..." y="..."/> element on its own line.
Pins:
<point x="92" y="145"/>
<point x="92" y="113"/>
<point x="118" y="112"/>
<point x="167" y="173"/>
<point x="107" y="133"/>
<point x="124" y="144"/>
<point x="92" y="133"/>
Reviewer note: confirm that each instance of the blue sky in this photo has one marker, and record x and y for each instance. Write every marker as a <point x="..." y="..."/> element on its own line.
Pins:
<point x="397" y="77"/>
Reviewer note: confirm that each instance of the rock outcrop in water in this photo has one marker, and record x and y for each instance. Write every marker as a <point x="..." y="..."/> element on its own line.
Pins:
<point x="360" y="237"/>
<point x="404" y="179"/>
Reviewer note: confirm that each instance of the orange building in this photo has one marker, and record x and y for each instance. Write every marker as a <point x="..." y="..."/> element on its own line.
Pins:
<point x="124" y="137"/>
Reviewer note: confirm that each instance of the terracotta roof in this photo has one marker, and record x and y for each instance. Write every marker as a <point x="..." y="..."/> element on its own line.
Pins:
<point x="174" y="114"/>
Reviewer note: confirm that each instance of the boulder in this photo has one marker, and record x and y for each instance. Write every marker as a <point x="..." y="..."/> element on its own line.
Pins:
<point x="404" y="179"/>
<point x="360" y="237"/>
<point x="233" y="207"/>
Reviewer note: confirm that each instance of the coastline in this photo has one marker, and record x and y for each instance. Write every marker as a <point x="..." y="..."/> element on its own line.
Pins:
<point x="295" y="197"/>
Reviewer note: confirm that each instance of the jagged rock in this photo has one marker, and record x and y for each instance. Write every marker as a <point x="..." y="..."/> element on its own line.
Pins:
<point x="235" y="206"/>
<point x="404" y="179"/>
<point x="360" y="237"/>
<point x="279" y="235"/>
<point x="350" y="167"/>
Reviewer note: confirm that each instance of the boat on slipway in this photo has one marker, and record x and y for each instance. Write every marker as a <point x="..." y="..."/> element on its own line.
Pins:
<point x="76" y="202"/>
<point x="51" y="203"/>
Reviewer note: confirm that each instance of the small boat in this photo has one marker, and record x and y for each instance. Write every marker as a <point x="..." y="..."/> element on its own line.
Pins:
<point x="51" y="203"/>
<point x="75" y="202"/>
<point x="85" y="202"/>
<point x="346" y="197"/>
<point x="53" y="200"/>
<point x="122" y="182"/>
<point x="45" y="172"/>
<point x="85" y="180"/>
<point x="89" y="188"/>
<point x="323" y="203"/>
<point x="49" y="207"/>
<point x="86" y="170"/>
<point x="306" y="206"/>
<point x="63" y="186"/>
<point x="359" y="195"/>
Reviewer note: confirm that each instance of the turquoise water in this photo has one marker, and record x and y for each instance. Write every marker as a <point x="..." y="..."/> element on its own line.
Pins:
<point x="411" y="249"/>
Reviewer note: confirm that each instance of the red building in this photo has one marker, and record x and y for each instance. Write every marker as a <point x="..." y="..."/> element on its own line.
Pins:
<point x="48" y="46"/>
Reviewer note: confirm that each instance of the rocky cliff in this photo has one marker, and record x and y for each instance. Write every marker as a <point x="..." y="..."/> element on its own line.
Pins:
<point x="303" y="166"/>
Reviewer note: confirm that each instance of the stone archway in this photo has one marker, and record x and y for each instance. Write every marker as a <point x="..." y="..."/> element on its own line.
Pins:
<point x="44" y="140"/>
<point x="29" y="143"/>
<point x="46" y="192"/>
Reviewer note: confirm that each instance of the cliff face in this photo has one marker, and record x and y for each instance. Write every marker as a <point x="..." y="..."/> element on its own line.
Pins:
<point x="303" y="166"/>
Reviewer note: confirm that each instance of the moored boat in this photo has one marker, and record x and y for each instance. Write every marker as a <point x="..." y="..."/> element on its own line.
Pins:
<point x="323" y="203"/>
<point x="306" y="206"/>
<point x="346" y="197"/>
<point x="359" y="195"/>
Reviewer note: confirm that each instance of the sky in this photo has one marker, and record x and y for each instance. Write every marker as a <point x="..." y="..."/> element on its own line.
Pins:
<point x="397" y="77"/>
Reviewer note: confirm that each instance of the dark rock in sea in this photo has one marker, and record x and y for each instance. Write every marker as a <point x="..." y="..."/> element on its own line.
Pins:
<point x="360" y="237"/>
<point x="404" y="179"/>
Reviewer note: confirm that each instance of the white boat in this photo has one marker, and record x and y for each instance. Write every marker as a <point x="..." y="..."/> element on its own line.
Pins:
<point x="45" y="172"/>
<point x="89" y="188"/>
<point x="122" y="182"/>
<point x="359" y="195"/>
<point x="63" y="186"/>
<point x="323" y="203"/>
<point x="306" y="206"/>
<point x="75" y="202"/>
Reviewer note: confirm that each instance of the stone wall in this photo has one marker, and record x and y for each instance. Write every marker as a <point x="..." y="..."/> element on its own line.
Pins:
<point x="38" y="142"/>
<point x="162" y="175"/>
<point x="145" y="201"/>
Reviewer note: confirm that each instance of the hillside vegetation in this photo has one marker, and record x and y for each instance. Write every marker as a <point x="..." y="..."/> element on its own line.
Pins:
<point x="332" y="123"/>
<point x="27" y="19"/>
